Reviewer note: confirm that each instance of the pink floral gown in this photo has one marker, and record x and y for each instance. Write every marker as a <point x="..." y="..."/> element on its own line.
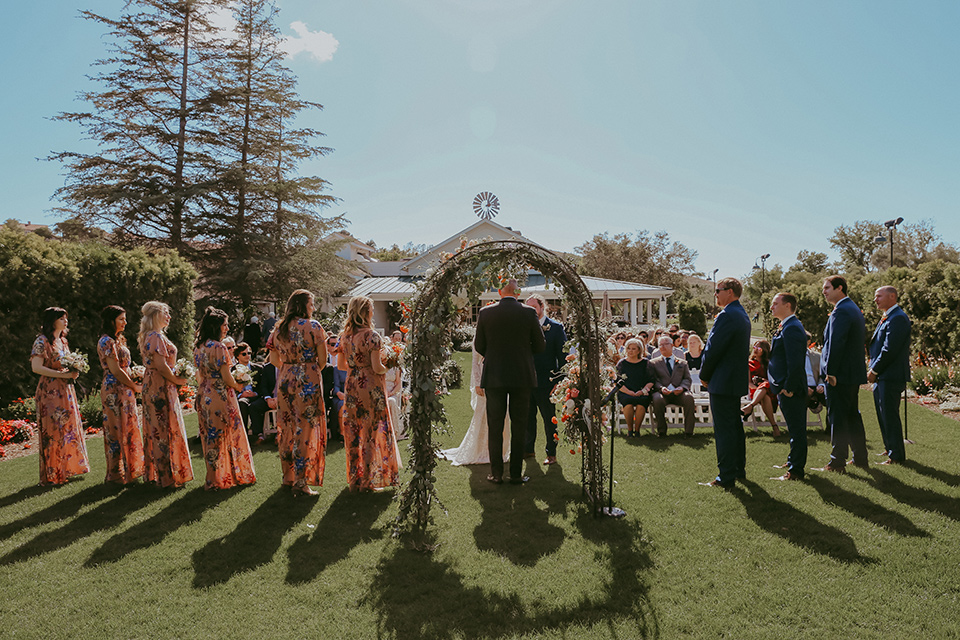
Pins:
<point x="369" y="440"/>
<point x="62" y="451"/>
<point x="226" y="450"/>
<point x="301" y="416"/>
<point x="122" y="443"/>
<point x="165" y="451"/>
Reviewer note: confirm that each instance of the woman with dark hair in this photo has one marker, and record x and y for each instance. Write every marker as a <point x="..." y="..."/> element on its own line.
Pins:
<point x="298" y="350"/>
<point x="166" y="456"/>
<point x="373" y="460"/>
<point x="122" y="443"/>
<point x="62" y="451"/>
<point x="226" y="450"/>
<point x="760" y="393"/>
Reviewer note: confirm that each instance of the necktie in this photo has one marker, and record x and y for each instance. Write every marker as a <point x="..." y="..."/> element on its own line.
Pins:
<point x="670" y="365"/>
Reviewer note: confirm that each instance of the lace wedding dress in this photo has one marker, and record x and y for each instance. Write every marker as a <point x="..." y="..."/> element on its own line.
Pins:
<point x="475" y="446"/>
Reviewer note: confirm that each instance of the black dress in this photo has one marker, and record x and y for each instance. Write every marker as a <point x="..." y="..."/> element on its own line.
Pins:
<point x="695" y="363"/>
<point x="638" y="376"/>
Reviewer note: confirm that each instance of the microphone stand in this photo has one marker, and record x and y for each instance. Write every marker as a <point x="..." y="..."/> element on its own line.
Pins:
<point x="610" y="510"/>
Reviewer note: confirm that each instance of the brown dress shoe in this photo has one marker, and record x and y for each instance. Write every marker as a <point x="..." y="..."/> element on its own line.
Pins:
<point x="494" y="479"/>
<point x="550" y="460"/>
<point x="830" y="468"/>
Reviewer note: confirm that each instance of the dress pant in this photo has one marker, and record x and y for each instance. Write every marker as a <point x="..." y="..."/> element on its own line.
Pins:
<point x="684" y="400"/>
<point x="540" y="402"/>
<point x="729" y="437"/>
<point x="846" y="425"/>
<point x="518" y="400"/>
<point x="886" y="398"/>
<point x="245" y="410"/>
<point x="258" y="410"/>
<point x="794" y="410"/>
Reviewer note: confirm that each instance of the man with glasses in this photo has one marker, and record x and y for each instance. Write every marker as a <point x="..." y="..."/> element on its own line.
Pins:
<point x="725" y="374"/>
<point x="260" y="396"/>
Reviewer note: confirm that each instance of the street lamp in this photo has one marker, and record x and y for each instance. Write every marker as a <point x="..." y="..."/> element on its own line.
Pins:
<point x="892" y="225"/>
<point x="763" y="272"/>
<point x="715" y="278"/>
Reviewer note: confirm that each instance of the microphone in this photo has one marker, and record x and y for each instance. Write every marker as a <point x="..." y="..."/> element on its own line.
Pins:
<point x="617" y="384"/>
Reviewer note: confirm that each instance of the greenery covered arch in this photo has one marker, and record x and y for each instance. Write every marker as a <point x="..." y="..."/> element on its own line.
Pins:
<point x="451" y="287"/>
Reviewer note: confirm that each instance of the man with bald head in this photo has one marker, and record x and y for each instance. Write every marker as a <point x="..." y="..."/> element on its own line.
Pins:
<point x="508" y="334"/>
<point x="890" y="370"/>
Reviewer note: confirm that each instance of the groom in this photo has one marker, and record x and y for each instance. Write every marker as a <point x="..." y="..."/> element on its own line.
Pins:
<point x="508" y="334"/>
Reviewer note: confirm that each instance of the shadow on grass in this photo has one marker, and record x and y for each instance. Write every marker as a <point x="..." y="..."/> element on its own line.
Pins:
<point x="796" y="527"/>
<point x="700" y="440"/>
<point x="417" y="596"/>
<point x="865" y="508"/>
<point x="105" y="516"/>
<point x="255" y="540"/>
<point x="337" y="533"/>
<point x="937" y="474"/>
<point x="23" y="494"/>
<point x="512" y="525"/>
<point x="154" y="529"/>
<point x="59" y="510"/>
<point x="917" y="497"/>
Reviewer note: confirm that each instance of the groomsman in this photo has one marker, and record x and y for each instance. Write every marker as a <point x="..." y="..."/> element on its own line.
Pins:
<point x="725" y="373"/>
<point x="548" y="364"/>
<point x="843" y="368"/>
<point x="788" y="378"/>
<point x="890" y="370"/>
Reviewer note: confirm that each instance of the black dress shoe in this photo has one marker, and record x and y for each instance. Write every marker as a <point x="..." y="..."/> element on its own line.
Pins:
<point x="494" y="479"/>
<point x="520" y="480"/>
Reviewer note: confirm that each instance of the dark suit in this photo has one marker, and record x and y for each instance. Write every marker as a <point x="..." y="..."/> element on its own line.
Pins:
<point x="890" y="361"/>
<point x="547" y="364"/>
<point x="679" y="377"/>
<point x="265" y="387"/>
<point x="508" y="334"/>
<point x="787" y="371"/>
<point x="842" y="357"/>
<point x="726" y="373"/>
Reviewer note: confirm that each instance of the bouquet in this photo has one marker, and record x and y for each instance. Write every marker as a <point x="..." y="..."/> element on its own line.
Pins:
<point x="242" y="374"/>
<point x="75" y="361"/>
<point x="184" y="369"/>
<point x="137" y="372"/>
<point x="391" y="354"/>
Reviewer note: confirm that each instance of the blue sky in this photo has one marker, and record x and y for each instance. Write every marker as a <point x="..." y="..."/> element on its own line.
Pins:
<point x="740" y="128"/>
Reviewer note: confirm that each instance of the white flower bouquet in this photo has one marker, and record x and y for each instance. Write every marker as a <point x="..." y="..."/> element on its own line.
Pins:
<point x="242" y="374"/>
<point x="75" y="361"/>
<point x="183" y="368"/>
<point x="137" y="372"/>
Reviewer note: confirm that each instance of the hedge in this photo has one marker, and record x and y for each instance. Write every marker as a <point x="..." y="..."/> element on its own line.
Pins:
<point x="36" y="273"/>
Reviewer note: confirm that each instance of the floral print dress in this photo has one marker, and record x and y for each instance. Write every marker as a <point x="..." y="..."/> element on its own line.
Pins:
<point x="301" y="416"/>
<point x="368" y="436"/>
<point x="63" y="452"/>
<point x="226" y="450"/>
<point x="165" y="451"/>
<point x="122" y="442"/>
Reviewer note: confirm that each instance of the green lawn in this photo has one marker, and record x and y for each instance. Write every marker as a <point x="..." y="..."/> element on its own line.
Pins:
<point x="866" y="555"/>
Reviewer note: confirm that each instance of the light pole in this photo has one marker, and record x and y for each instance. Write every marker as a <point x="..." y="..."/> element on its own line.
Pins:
<point x="892" y="225"/>
<point x="763" y="272"/>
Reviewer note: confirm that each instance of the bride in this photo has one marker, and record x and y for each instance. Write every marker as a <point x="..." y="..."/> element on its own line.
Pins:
<point x="475" y="448"/>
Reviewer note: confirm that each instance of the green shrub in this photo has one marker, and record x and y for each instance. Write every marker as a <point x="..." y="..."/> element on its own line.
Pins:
<point x="82" y="278"/>
<point x="934" y="378"/>
<point x="91" y="411"/>
<point x="20" y="409"/>
<point x="451" y="374"/>
<point x="463" y="337"/>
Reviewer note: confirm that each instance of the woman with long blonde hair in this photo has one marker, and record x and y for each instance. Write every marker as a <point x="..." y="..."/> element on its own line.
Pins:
<point x="373" y="461"/>
<point x="298" y="349"/>
<point x="166" y="455"/>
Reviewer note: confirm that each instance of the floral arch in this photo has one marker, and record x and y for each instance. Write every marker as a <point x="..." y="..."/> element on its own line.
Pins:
<point x="450" y="287"/>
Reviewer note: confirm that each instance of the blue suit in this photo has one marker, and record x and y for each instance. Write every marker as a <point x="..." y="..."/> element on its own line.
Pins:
<point x="726" y="372"/>
<point x="787" y="372"/>
<point x="548" y="364"/>
<point x="843" y="357"/>
<point x="890" y="361"/>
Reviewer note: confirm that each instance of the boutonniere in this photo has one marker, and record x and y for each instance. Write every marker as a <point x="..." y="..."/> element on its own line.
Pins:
<point x="546" y="326"/>
<point x="883" y="318"/>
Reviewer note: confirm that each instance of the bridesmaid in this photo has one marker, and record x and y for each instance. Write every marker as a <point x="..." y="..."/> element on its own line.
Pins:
<point x="165" y="451"/>
<point x="373" y="460"/>
<point x="298" y="350"/>
<point x="62" y="450"/>
<point x="122" y="443"/>
<point x="226" y="450"/>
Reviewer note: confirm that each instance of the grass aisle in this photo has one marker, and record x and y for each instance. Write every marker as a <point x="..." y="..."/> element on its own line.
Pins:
<point x="859" y="556"/>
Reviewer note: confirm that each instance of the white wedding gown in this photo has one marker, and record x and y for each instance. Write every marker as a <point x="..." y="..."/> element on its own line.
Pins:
<point x="475" y="446"/>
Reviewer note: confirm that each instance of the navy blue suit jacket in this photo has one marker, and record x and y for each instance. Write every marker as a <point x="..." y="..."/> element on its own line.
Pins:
<point x="788" y="358"/>
<point x="549" y="361"/>
<point x="508" y="334"/>
<point x="725" y="355"/>
<point x="890" y="348"/>
<point x="844" y="340"/>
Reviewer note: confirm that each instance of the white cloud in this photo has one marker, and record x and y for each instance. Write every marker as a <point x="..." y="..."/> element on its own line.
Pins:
<point x="319" y="44"/>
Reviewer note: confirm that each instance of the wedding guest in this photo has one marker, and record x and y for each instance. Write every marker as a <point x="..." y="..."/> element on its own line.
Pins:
<point x="63" y="453"/>
<point x="259" y="396"/>
<point x="165" y="451"/>
<point x="373" y="460"/>
<point x="398" y="336"/>
<point x="226" y="450"/>
<point x="298" y="350"/>
<point x="252" y="334"/>
<point x="694" y="355"/>
<point x="333" y="380"/>
<point x="393" y="380"/>
<point x="243" y="357"/>
<point x="122" y="442"/>
<point x="268" y="326"/>
<point x="634" y="397"/>
<point x="759" y="388"/>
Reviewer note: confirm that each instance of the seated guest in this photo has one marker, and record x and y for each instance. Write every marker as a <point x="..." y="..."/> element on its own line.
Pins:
<point x="337" y="378"/>
<point x="694" y="355"/>
<point x="242" y="356"/>
<point x="759" y="389"/>
<point x="257" y="397"/>
<point x="644" y="339"/>
<point x="684" y="336"/>
<point x="652" y="348"/>
<point x="672" y="380"/>
<point x="678" y="350"/>
<point x="634" y="396"/>
<point x="816" y="396"/>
